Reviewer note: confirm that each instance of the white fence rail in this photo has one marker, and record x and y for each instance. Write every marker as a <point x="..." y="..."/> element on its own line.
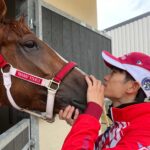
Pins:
<point x="17" y="137"/>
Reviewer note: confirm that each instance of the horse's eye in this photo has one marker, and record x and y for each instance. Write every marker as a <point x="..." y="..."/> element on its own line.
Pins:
<point x="30" y="44"/>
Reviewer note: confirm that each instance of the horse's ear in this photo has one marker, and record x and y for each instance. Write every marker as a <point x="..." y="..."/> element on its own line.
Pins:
<point x="3" y="10"/>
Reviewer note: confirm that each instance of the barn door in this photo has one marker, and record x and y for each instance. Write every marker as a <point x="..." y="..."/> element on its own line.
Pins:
<point x="31" y="10"/>
<point x="10" y="116"/>
<point x="20" y="134"/>
<point x="16" y="8"/>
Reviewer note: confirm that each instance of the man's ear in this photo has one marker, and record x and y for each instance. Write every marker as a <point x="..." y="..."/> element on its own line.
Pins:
<point x="133" y="87"/>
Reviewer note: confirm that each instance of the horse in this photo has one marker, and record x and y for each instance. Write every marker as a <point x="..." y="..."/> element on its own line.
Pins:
<point x="33" y="74"/>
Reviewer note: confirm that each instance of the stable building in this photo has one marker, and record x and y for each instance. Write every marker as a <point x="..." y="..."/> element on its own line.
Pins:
<point x="131" y="35"/>
<point x="70" y="28"/>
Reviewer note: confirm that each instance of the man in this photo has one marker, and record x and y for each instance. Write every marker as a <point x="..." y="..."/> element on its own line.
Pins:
<point x="126" y="86"/>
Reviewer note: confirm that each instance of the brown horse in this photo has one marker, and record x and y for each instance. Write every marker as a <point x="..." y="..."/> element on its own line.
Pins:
<point x="20" y="48"/>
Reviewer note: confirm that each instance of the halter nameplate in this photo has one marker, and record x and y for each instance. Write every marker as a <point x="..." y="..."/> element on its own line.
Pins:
<point x="28" y="77"/>
<point x="35" y="80"/>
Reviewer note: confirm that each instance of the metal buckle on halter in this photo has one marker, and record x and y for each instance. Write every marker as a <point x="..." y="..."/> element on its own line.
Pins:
<point x="7" y="65"/>
<point x="53" y="85"/>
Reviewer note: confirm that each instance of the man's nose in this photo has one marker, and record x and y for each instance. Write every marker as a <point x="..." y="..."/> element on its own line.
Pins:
<point x="106" y="77"/>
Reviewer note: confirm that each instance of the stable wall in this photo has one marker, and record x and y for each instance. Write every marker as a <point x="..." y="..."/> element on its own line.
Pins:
<point x="52" y="135"/>
<point x="75" y="42"/>
<point x="84" y="10"/>
<point x="72" y="39"/>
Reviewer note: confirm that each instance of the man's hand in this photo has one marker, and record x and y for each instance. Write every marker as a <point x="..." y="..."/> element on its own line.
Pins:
<point x="95" y="91"/>
<point x="67" y="114"/>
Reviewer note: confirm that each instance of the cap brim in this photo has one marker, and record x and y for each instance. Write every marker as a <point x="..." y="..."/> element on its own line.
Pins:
<point x="110" y="60"/>
<point x="138" y="73"/>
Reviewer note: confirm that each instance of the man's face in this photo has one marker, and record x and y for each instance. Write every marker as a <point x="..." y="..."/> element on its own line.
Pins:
<point x="115" y="85"/>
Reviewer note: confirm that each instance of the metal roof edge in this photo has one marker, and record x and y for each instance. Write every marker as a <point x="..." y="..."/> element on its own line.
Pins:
<point x="127" y="21"/>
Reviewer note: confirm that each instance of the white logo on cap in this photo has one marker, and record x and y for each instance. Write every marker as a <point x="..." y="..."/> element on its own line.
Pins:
<point x="146" y="83"/>
<point x="123" y="57"/>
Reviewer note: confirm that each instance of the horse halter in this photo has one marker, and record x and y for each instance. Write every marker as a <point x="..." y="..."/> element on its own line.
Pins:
<point x="49" y="84"/>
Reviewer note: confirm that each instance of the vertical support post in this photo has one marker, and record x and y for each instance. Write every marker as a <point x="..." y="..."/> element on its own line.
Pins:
<point x="34" y="133"/>
<point x="35" y="24"/>
<point x="35" y="17"/>
<point x="38" y="12"/>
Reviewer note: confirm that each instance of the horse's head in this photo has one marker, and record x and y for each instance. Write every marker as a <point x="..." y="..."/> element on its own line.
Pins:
<point x="24" y="51"/>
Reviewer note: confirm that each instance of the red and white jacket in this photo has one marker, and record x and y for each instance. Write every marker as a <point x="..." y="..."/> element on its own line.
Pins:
<point x="130" y="130"/>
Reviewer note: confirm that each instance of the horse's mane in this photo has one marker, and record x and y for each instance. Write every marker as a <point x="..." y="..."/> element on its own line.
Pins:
<point x="8" y="26"/>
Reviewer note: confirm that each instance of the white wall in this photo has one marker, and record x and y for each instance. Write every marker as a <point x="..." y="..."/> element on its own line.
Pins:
<point x="84" y="10"/>
<point x="52" y="135"/>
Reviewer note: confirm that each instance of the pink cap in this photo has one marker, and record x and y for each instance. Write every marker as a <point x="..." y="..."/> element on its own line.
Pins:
<point x="136" y="64"/>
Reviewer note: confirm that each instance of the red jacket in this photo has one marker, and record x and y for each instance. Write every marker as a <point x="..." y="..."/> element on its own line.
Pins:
<point x="130" y="131"/>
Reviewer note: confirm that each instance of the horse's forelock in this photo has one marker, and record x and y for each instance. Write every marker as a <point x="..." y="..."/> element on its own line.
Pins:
<point x="18" y="27"/>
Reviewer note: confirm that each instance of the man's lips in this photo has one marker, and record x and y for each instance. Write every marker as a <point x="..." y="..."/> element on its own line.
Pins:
<point x="105" y="84"/>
